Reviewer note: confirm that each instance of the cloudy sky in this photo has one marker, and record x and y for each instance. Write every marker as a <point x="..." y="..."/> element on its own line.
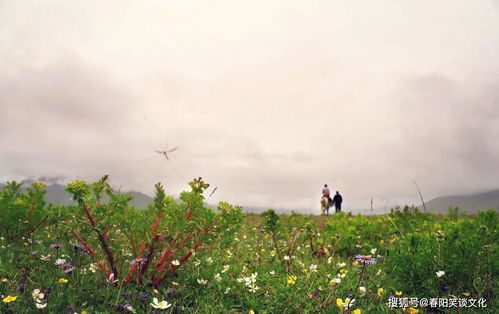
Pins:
<point x="267" y="100"/>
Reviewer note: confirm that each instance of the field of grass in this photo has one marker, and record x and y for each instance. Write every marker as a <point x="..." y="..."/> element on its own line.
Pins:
<point x="177" y="256"/>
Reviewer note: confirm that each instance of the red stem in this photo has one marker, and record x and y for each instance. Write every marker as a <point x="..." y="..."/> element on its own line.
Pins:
<point x="156" y="223"/>
<point x="88" y="247"/>
<point x="102" y="240"/>
<point x="166" y="253"/>
<point x="157" y="281"/>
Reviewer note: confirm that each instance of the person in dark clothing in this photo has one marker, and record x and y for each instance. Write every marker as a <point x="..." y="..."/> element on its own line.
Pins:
<point x="337" y="199"/>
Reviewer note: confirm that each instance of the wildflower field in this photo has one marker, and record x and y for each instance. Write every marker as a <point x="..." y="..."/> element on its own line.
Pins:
<point x="178" y="256"/>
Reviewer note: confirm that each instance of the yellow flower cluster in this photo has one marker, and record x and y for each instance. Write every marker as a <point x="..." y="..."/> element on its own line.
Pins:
<point x="292" y="279"/>
<point x="9" y="299"/>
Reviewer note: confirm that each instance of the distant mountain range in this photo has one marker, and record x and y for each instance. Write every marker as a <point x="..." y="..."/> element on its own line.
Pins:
<point x="467" y="203"/>
<point x="57" y="195"/>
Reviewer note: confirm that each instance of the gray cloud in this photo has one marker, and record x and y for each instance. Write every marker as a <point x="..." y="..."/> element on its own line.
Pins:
<point x="59" y="117"/>
<point x="446" y="130"/>
<point x="268" y="112"/>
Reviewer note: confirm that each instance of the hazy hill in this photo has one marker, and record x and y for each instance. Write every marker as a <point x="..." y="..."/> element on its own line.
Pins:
<point x="466" y="203"/>
<point x="57" y="195"/>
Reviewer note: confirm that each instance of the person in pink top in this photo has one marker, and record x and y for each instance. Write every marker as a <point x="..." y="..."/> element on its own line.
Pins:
<point x="326" y="194"/>
<point x="325" y="191"/>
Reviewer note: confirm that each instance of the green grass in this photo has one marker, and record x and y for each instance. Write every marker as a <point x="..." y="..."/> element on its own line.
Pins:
<point x="265" y="264"/>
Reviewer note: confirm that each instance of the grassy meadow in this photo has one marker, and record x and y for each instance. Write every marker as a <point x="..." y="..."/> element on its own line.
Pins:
<point x="178" y="256"/>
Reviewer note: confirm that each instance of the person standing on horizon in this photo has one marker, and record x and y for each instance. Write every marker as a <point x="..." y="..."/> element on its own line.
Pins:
<point x="337" y="200"/>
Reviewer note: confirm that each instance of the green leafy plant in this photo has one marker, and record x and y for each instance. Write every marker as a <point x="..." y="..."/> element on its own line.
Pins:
<point x="22" y="213"/>
<point x="178" y="230"/>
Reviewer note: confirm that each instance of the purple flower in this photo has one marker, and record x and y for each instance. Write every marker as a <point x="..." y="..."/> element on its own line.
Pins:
<point x="445" y="288"/>
<point x="316" y="292"/>
<point x="143" y="297"/>
<point x="34" y="253"/>
<point x="171" y="291"/>
<point x="70" y="309"/>
<point x="48" y="291"/>
<point x="139" y="261"/>
<point x="122" y="307"/>
<point x="77" y="245"/>
<point x="127" y="296"/>
<point x="69" y="270"/>
<point x="56" y="246"/>
<point x="365" y="259"/>
<point x="21" y="287"/>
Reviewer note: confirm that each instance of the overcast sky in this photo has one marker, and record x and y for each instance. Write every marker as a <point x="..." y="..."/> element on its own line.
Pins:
<point x="267" y="100"/>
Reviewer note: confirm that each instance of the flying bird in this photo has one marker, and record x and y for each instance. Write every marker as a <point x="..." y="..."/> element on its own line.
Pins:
<point x="166" y="152"/>
<point x="213" y="191"/>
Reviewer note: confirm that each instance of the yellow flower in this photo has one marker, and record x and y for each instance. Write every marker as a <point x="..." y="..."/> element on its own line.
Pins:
<point x="398" y="293"/>
<point x="355" y="263"/>
<point x="62" y="280"/>
<point x="292" y="279"/>
<point x="9" y="299"/>
<point x="84" y="312"/>
<point x="381" y="291"/>
<point x="339" y="303"/>
<point x="357" y="311"/>
<point x="251" y="312"/>
<point x="347" y="304"/>
<point x="410" y="310"/>
<point x="304" y="270"/>
<point x="343" y="271"/>
<point x="5" y="280"/>
<point x="272" y="253"/>
<point x="48" y="236"/>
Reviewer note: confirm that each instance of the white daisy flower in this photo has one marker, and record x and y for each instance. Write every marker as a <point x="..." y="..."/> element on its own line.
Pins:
<point x="160" y="305"/>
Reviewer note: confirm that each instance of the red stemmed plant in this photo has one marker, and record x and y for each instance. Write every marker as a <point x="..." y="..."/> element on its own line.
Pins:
<point x="179" y="229"/>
